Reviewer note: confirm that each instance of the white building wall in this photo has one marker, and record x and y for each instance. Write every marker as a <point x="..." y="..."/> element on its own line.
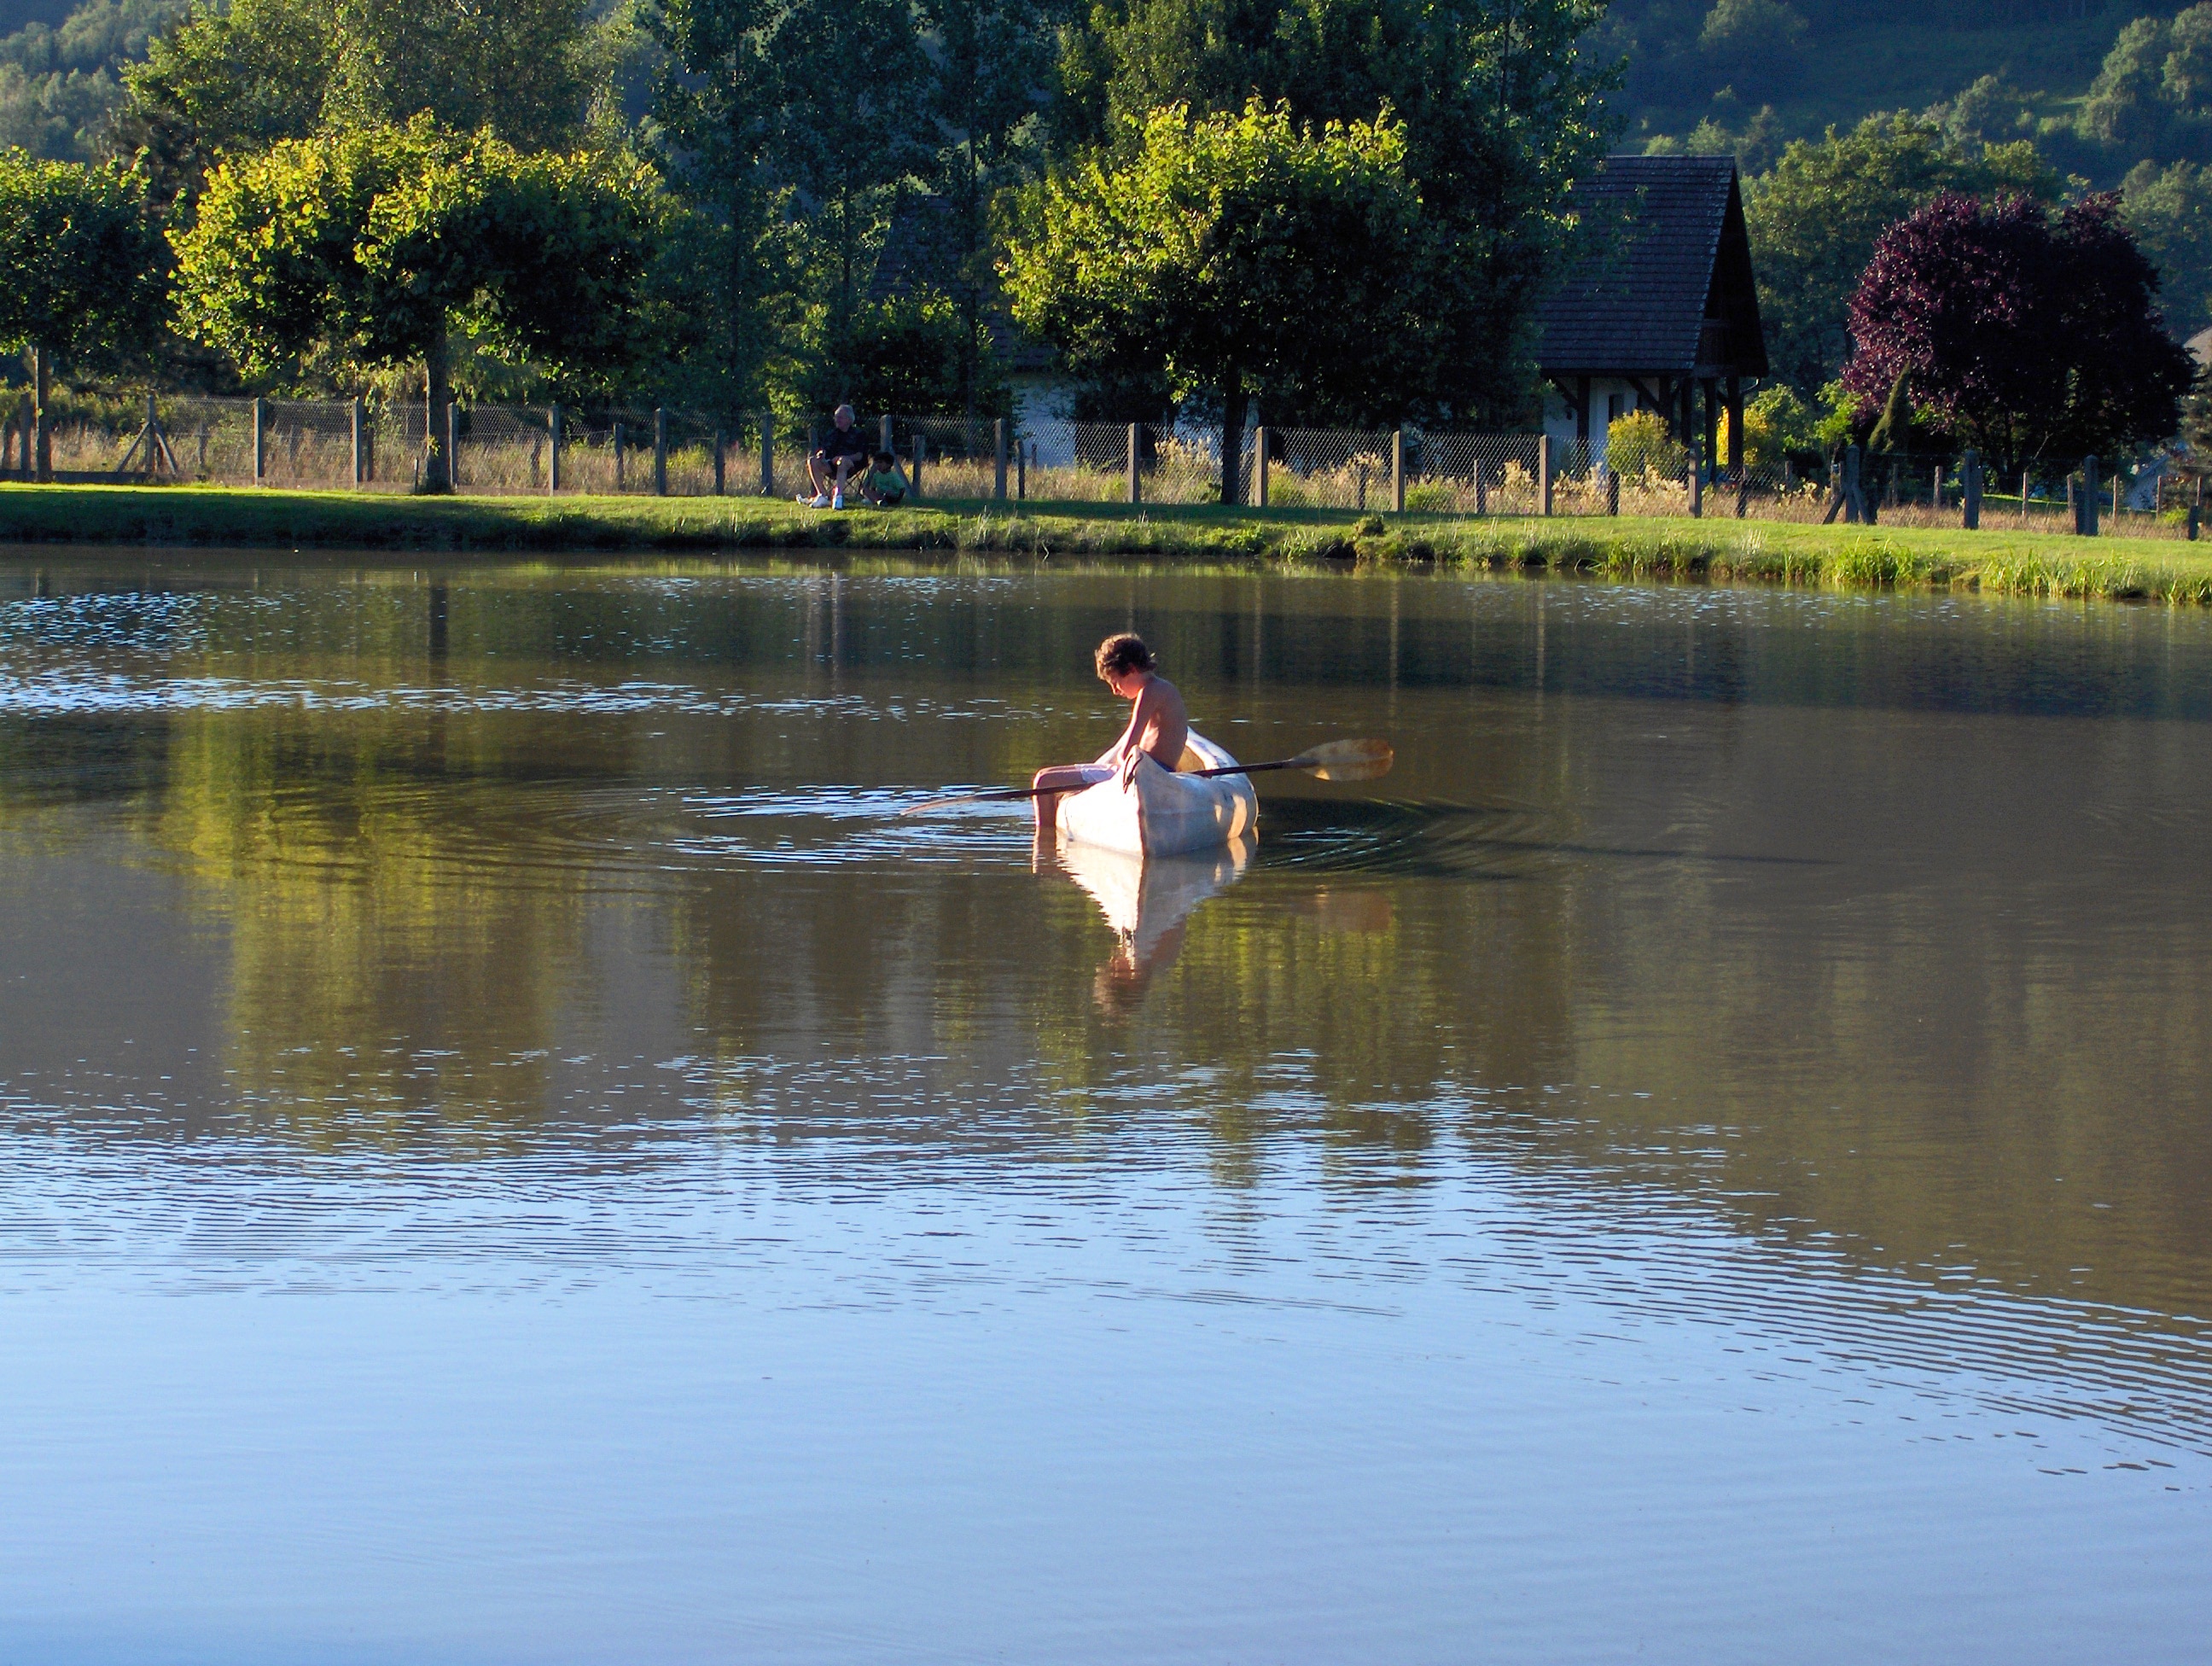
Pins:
<point x="1610" y="397"/>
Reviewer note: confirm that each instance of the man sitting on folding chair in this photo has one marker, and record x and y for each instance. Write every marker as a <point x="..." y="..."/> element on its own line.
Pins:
<point x="841" y="456"/>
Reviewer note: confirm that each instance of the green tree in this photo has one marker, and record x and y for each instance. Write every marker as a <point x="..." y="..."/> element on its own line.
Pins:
<point x="1237" y="255"/>
<point x="230" y="83"/>
<point x="2153" y="95"/>
<point x="1816" y="217"/>
<point x="845" y="142"/>
<point x="717" y="105"/>
<point x="2170" y="211"/>
<point x="1753" y="44"/>
<point x="382" y="247"/>
<point x="84" y="269"/>
<point x="1500" y="109"/>
<point x="990" y="61"/>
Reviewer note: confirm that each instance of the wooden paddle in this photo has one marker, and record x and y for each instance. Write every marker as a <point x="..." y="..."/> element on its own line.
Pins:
<point x="1333" y="760"/>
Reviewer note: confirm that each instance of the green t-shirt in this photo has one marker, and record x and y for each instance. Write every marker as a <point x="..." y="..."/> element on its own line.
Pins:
<point x="893" y="482"/>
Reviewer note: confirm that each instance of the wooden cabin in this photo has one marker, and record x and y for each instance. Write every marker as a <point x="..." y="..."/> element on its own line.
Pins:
<point x="1661" y="312"/>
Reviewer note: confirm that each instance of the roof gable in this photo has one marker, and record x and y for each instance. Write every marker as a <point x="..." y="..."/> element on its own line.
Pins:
<point x="1667" y="251"/>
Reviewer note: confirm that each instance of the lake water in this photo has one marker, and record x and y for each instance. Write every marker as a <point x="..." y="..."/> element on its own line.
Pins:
<point x="514" y="1152"/>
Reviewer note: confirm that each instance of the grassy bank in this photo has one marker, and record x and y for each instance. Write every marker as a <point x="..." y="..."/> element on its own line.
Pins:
<point x="1770" y="551"/>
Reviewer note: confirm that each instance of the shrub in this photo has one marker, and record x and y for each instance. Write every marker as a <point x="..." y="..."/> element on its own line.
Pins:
<point x="1638" y="443"/>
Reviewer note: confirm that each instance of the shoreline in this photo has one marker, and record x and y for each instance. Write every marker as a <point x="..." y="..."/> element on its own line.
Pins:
<point x="1993" y="560"/>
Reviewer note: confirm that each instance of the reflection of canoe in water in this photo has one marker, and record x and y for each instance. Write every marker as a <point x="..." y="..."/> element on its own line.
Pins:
<point x="1164" y="812"/>
<point x="1145" y="899"/>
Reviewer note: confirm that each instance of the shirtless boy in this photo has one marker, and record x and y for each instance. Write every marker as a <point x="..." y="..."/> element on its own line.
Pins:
<point x="1157" y="728"/>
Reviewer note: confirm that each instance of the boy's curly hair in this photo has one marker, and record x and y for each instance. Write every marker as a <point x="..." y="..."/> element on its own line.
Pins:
<point x="1124" y="652"/>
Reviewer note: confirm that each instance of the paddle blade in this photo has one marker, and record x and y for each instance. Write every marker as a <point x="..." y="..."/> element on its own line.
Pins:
<point x="1349" y="760"/>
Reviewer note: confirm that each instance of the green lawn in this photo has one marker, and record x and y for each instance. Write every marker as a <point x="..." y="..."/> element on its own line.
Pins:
<point x="1844" y="557"/>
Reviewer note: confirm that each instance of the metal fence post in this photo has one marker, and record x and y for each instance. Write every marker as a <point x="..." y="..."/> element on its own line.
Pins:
<point x="260" y="439"/>
<point x="721" y="446"/>
<point x="553" y="451"/>
<point x="452" y="446"/>
<point x="1259" y="468"/>
<point x="1970" y="490"/>
<point x="1398" y="470"/>
<point x="659" y="451"/>
<point x="999" y="448"/>
<point x="360" y="439"/>
<point x="768" y="455"/>
<point x="1135" y="490"/>
<point x="1544" y="474"/>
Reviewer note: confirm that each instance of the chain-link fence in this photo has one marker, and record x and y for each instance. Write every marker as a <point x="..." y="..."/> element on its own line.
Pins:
<point x="339" y="444"/>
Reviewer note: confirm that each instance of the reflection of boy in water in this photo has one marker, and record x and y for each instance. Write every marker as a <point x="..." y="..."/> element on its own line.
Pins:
<point x="1159" y="728"/>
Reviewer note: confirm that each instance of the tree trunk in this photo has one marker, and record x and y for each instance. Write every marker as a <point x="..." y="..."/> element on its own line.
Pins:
<point x="1236" y="407"/>
<point x="41" y="435"/>
<point x="437" y="394"/>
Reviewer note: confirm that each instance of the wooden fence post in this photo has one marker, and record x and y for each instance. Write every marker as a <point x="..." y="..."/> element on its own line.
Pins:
<point x="1021" y="470"/>
<point x="721" y="451"/>
<point x="661" y="451"/>
<point x="360" y="452"/>
<point x="2088" y="511"/>
<point x="1544" y="474"/>
<point x="1969" y="494"/>
<point x="884" y="435"/>
<point x="998" y="453"/>
<point x="553" y="451"/>
<point x="1697" y="484"/>
<point x="1136" y="490"/>
<point x="768" y="455"/>
<point x="2115" y="500"/>
<point x="620" y="437"/>
<point x="1259" y="468"/>
<point x="452" y="447"/>
<point x="1398" y="470"/>
<point x="41" y="432"/>
<point x="260" y="440"/>
<point x="921" y="457"/>
<point x="1612" y="491"/>
<point x="2026" y="484"/>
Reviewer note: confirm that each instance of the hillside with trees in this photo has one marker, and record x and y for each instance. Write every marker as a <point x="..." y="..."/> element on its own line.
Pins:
<point x="786" y="221"/>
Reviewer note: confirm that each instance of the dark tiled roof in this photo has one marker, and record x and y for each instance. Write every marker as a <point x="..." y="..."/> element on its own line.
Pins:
<point x="1668" y="249"/>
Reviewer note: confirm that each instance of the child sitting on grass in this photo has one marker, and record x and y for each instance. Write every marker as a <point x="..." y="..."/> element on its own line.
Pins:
<point x="884" y="484"/>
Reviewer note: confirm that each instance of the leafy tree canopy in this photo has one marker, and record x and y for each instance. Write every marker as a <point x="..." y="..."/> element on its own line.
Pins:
<point x="84" y="266"/>
<point x="1236" y="255"/>
<point x="374" y="248"/>
<point x="232" y="82"/>
<point x="1499" y="112"/>
<point x="2033" y="336"/>
<point x="2169" y="209"/>
<point x="1815" y="219"/>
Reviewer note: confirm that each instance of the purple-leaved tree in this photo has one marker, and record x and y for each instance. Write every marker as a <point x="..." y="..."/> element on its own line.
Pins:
<point x="2033" y="337"/>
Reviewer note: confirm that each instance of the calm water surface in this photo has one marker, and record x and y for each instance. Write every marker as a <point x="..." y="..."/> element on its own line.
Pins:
<point x="514" y="1151"/>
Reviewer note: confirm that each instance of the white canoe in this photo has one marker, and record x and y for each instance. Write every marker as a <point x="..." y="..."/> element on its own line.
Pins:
<point x="1164" y="812"/>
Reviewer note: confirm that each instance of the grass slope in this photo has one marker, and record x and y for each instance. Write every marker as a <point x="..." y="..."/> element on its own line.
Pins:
<point x="1996" y="560"/>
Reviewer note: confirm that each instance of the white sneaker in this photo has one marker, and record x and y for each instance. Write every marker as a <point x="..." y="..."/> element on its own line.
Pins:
<point x="838" y="502"/>
<point x="818" y="502"/>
